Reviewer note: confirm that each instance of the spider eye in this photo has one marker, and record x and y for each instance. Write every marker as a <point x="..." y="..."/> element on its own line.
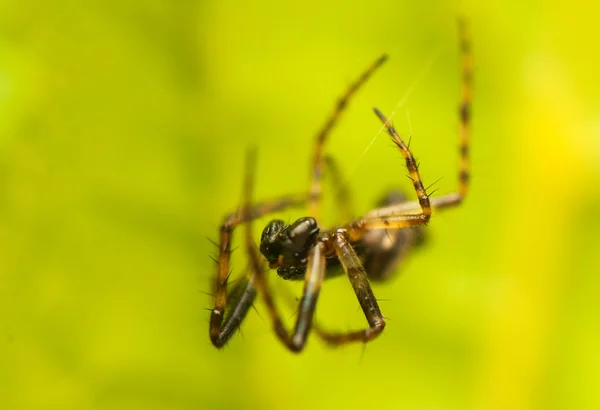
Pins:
<point x="270" y="242"/>
<point x="272" y="229"/>
<point x="288" y="245"/>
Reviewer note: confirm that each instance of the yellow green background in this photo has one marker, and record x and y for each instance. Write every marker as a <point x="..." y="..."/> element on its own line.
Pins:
<point x="123" y="128"/>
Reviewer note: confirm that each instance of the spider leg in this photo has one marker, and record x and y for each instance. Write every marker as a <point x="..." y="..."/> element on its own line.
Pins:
<point x="342" y="195"/>
<point x="421" y="216"/>
<point x="313" y="278"/>
<point x="227" y="315"/>
<point x="360" y="283"/>
<point x="455" y="198"/>
<point x="239" y="302"/>
<point x="465" y="109"/>
<point x="314" y="199"/>
<point x="384" y="250"/>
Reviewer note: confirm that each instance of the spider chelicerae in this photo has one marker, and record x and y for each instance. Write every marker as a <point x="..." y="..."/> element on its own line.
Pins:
<point x="364" y="247"/>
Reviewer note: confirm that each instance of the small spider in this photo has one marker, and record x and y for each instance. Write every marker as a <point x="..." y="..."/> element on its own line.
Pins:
<point x="303" y="250"/>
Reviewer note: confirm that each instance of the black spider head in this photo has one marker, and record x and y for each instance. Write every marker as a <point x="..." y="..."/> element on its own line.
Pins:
<point x="286" y="247"/>
<point x="270" y="241"/>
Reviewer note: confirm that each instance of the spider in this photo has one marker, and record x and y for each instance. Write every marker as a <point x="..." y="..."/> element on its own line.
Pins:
<point x="304" y="250"/>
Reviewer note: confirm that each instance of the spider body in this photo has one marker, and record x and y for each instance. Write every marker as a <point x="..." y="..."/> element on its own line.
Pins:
<point x="286" y="247"/>
<point x="368" y="247"/>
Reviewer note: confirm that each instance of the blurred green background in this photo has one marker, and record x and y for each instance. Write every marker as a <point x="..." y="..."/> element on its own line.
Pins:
<point x="123" y="127"/>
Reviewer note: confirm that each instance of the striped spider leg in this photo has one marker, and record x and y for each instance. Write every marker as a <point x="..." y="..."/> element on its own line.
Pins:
<point x="228" y="313"/>
<point x="301" y="250"/>
<point x="397" y="216"/>
<point x="314" y="199"/>
<point x="455" y="198"/>
<point x="304" y="251"/>
<point x="381" y="250"/>
<point x="342" y="239"/>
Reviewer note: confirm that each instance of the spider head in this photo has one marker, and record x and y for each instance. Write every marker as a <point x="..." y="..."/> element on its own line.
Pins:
<point x="286" y="247"/>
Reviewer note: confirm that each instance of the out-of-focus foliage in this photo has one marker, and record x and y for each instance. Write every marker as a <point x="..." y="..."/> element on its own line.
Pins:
<point x="123" y="127"/>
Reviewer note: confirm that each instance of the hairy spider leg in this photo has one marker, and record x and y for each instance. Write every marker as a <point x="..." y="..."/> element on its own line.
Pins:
<point x="454" y="198"/>
<point x="383" y="250"/>
<point x="355" y="231"/>
<point x="227" y="315"/>
<point x="313" y="278"/>
<point x="360" y="283"/>
<point x="402" y="215"/>
<point x="239" y="301"/>
<point x="407" y="214"/>
<point x="357" y="228"/>
<point x="314" y="199"/>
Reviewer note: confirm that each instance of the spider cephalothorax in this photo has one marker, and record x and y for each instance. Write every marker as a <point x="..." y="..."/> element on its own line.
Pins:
<point x="366" y="248"/>
<point x="286" y="247"/>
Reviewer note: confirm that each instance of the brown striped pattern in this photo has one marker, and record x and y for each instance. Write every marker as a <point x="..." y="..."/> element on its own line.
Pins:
<point x="411" y="165"/>
<point x="455" y="198"/>
<point x="317" y="168"/>
<point x="228" y="314"/>
<point x="360" y="283"/>
<point x="357" y="228"/>
<point x="396" y="221"/>
<point x="465" y="109"/>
